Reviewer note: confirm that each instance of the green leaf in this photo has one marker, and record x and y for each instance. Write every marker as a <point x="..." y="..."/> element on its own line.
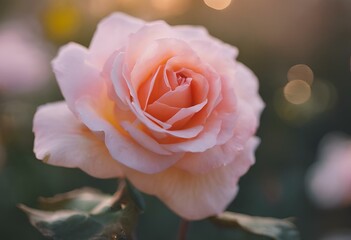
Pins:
<point x="84" y="199"/>
<point x="86" y="214"/>
<point x="136" y="196"/>
<point x="276" y="229"/>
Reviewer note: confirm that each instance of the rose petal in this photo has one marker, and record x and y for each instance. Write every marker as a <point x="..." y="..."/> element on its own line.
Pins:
<point x="61" y="140"/>
<point x="147" y="87"/>
<point x="205" y="140"/>
<point x="246" y="87"/>
<point x="154" y="55"/>
<point x="186" y="112"/>
<point x="221" y="154"/>
<point x="198" y="33"/>
<point x="122" y="147"/>
<point x="162" y="111"/>
<point x="196" y="196"/>
<point x="115" y="73"/>
<point x="244" y="82"/>
<point x="112" y="33"/>
<point x="75" y="76"/>
<point x="143" y="139"/>
<point x="145" y="36"/>
<point x="180" y="98"/>
<point x="160" y="127"/>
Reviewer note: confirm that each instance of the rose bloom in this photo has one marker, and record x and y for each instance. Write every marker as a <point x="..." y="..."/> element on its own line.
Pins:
<point x="23" y="58"/>
<point x="329" y="179"/>
<point x="166" y="107"/>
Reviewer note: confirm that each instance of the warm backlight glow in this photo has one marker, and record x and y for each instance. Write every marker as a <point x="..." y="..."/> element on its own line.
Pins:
<point x="101" y="8"/>
<point x="297" y="92"/>
<point x="301" y="72"/>
<point x="170" y="7"/>
<point x="218" y="4"/>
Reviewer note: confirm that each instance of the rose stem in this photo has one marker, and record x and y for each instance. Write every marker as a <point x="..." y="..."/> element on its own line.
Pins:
<point x="183" y="229"/>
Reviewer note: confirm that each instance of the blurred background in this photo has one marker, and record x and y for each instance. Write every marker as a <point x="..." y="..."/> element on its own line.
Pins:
<point x="299" y="49"/>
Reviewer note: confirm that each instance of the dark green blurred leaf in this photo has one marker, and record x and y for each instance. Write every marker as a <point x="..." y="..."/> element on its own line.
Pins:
<point x="277" y="229"/>
<point x="86" y="214"/>
<point x="136" y="196"/>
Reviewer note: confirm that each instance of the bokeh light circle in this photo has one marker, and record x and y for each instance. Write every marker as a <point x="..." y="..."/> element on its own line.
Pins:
<point x="301" y="72"/>
<point x="297" y="92"/>
<point x="218" y="4"/>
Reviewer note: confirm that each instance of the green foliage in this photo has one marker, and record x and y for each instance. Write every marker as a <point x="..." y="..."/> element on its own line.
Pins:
<point x="275" y="229"/>
<point x="86" y="214"/>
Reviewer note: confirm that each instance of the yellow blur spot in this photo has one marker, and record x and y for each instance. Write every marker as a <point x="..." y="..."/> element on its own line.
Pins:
<point x="301" y="72"/>
<point x="297" y="92"/>
<point x="170" y="7"/>
<point x="61" y="21"/>
<point x="218" y="4"/>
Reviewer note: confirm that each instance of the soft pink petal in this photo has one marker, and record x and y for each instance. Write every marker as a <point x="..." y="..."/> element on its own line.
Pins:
<point x="236" y="130"/>
<point x="206" y="139"/>
<point x="145" y="90"/>
<point x="121" y="146"/>
<point x="181" y="97"/>
<point x="197" y="34"/>
<point x="191" y="32"/>
<point x="221" y="154"/>
<point x="61" y="140"/>
<point x="145" y="36"/>
<point x="75" y="76"/>
<point x="193" y="63"/>
<point x="161" y="111"/>
<point x="196" y="196"/>
<point x="154" y="55"/>
<point x="153" y="124"/>
<point x="245" y="125"/>
<point x="199" y="87"/>
<point x="117" y="86"/>
<point x="112" y="34"/>
<point x="246" y="88"/>
<point x="186" y="112"/>
<point x="243" y="80"/>
<point x="143" y="139"/>
<point x="157" y="87"/>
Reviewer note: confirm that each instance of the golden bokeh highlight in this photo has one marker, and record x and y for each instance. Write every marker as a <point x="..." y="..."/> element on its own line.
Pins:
<point x="301" y="72"/>
<point x="297" y="92"/>
<point x="171" y="7"/>
<point x="61" y="21"/>
<point x="218" y="4"/>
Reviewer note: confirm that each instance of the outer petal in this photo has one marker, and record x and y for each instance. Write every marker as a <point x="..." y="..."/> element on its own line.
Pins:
<point x="221" y="155"/>
<point x="61" y="140"/>
<point x="246" y="87"/>
<point x="75" y="76"/>
<point x="193" y="33"/>
<point x="112" y="34"/>
<point x="196" y="196"/>
<point x="244" y="81"/>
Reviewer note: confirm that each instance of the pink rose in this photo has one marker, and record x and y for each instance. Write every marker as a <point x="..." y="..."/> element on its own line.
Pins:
<point x="166" y="107"/>
<point x="329" y="179"/>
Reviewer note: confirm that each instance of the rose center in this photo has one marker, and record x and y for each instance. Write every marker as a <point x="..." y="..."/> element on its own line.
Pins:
<point x="182" y="79"/>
